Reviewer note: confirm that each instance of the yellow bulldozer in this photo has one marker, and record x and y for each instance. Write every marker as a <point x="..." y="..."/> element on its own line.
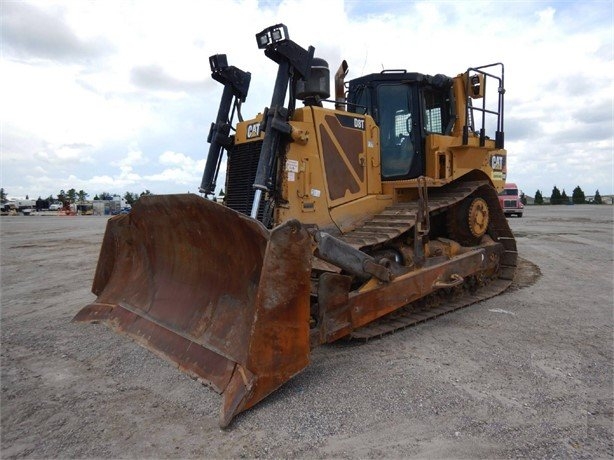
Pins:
<point x="349" y="217"/>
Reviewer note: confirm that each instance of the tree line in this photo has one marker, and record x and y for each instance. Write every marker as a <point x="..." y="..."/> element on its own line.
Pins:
<point x="558" y="197"/>
<point x="73" y="196"/>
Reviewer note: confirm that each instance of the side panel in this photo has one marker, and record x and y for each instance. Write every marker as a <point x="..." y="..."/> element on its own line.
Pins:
<point x="447" y="159"/>
<point x="301" y="178"/>
<point x="351" y="162"/>
<point x="331" y="176"/>
<point x="343" y="146"/>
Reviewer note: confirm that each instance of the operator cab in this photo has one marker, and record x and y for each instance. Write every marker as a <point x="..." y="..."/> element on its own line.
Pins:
<point x="407" y="107"/>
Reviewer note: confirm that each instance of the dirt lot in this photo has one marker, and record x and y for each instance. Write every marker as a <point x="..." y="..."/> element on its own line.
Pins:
<point x="526" y="374"/>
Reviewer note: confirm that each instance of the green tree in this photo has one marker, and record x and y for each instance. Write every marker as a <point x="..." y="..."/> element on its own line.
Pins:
<point x="82" y="196"/>
<point x="2" y="196"/>
<point x="130" y="197"/>
<point x="72" y="195"/>
<point x="62" y="197"/>
<point x="564" y="198"/>
<point x="523" y="198"/>
<point x="555" y="197"/>
<point x="105" y="196"/>
<point x="597" y="199"/>
<point x="539" y="199"/>
<point x="146" y="193"/>
<point x="578" y="196"/>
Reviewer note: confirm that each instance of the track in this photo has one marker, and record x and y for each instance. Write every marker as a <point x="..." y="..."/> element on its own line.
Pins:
<point x="401" y="218"/>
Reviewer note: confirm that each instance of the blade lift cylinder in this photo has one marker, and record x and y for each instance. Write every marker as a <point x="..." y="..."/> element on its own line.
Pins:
<point x="236" y="85"/>
<point x="294" y="62"/>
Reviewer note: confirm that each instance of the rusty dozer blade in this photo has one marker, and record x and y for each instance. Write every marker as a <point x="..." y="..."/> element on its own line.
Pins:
<point x="209" y="289"/>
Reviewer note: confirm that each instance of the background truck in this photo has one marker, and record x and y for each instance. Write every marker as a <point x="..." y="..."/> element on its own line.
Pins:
<point x="510" y="202"/>
<point x="23" y="206"/>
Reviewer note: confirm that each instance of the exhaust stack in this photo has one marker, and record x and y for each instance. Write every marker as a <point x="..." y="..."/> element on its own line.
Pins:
<point x="339" y="86"/>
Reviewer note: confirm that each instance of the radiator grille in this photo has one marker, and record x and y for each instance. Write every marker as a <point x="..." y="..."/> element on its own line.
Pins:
<point x="510" y="203"/>
<point x="240" y="175"/>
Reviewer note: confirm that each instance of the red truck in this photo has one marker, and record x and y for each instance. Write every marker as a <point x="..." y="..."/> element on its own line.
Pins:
<point x="509" y="199"/>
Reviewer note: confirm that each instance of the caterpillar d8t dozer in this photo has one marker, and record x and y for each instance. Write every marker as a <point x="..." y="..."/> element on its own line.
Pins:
<point x="349" y="217"/>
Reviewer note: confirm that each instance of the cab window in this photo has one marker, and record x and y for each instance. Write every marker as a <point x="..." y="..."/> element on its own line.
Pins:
<point x="395" y="122"/>
<point x="436" y="111"/>
<point x="363" y="103"/>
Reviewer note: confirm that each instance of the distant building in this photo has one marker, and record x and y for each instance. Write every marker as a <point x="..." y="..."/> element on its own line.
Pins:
<point x="108" y="207"/>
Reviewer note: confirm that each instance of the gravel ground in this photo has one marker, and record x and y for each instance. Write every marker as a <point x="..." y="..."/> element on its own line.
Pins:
<point x="526" y="374"/>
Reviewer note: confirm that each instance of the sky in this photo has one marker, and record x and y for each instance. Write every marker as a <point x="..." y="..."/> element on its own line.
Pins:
<point x="117" y="96"/>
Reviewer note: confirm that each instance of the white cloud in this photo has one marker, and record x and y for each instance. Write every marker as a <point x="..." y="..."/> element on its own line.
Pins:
<point x="132" y="158"/>
<point x="174" y="158"/>
<point x="183" y="169"/>
<point x="103" y="180"/>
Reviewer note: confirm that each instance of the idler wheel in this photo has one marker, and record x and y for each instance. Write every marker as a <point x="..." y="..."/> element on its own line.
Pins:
<point x="478" y="217"/>
<point x="468" y="220"/>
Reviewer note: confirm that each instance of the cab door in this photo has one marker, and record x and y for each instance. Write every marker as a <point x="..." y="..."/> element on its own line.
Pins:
<point x="401" y="145"/>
